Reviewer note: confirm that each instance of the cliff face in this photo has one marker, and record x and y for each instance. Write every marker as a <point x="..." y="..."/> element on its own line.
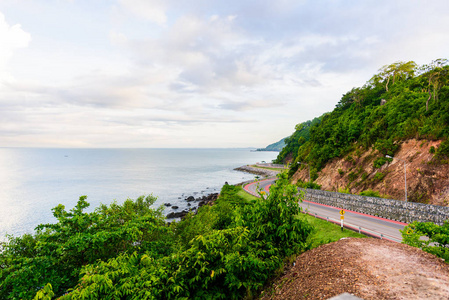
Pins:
<point x="427" y="181"/>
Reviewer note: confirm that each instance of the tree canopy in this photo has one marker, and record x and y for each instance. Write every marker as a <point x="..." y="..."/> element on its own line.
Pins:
<point x="128" y="251"/>
<point x="402" y="101"/>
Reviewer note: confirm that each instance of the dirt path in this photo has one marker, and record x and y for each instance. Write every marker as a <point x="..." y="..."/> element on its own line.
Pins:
<point x="367" y="268"/>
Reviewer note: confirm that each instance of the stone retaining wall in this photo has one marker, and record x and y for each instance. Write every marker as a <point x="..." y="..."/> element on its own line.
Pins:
<point x="387" y="208"/>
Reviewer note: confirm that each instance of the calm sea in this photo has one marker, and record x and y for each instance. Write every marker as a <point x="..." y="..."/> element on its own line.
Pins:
<point x="33" y="181"/>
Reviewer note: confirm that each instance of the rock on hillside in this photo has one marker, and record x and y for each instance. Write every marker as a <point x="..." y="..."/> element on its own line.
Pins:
<point x="367" y="268"/>
<point x="427" y="181"/>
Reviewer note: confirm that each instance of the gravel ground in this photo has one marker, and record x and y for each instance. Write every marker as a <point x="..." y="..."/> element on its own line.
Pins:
<point x="367" y="268"/>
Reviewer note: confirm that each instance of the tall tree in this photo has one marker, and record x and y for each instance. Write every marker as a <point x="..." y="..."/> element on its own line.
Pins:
<point x="397" y="70"/>
<point x="435" y="72"/>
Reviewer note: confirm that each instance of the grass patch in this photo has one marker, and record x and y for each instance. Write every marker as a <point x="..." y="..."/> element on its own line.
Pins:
<point x="241" y="193"/>
<point x="327" y="232"/>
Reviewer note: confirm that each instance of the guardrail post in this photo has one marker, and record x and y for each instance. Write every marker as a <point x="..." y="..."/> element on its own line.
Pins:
<point x="315" y="215"/>
<point x="381" y="236"/>
<point x="360" y="228"/>
<point x="327" y="218"/>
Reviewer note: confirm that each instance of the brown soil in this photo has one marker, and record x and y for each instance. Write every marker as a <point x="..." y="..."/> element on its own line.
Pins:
<point x="427" y="180"/>
<point x="367" y="268"/>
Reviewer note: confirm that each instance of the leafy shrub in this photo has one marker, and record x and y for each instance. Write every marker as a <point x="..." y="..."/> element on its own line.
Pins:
<point x="341" y="172"/>
<point x="379" y="176"/>
<point x="386" y="147"/>
<point x="432" y="150"/>
<point x="352" y="176"/>
<point x="344" y="190"/>
<point x="437" y="241"/>
<point x="57" y="252"/>
<point x="350" y="159"/>
<point x="226" y="251"/>
<point x="364" y="176"/>
<point x="370" y="193"/>
<point x="308" y="185"/>
<point x="380" y="161"/>
<point x="443" y="149"/>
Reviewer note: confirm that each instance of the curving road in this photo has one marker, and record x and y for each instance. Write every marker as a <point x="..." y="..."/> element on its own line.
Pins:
<point x="261" y="185"/>
<point x="366" y="224"/>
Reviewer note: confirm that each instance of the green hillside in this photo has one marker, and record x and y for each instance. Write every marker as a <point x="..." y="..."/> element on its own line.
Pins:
<point x="278" y="146"/>
<point x="296" y="140"/>
<point x="402" y="101"/>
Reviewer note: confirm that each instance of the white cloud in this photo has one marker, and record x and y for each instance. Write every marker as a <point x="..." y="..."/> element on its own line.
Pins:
<point x="130" y="71"/>
<point x="152" y="10"/>
<point x="11" y="39"/>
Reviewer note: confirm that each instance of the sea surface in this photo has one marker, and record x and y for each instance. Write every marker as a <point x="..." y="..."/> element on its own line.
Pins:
<point x="33" y="181"/>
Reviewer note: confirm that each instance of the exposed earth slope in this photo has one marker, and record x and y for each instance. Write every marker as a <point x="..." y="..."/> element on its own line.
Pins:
<point x="426" y="180"/>
<point x="368" y="268"/>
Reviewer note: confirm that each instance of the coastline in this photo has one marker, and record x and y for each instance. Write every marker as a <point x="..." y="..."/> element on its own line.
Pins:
<point x="257" y="171"/>
<point x="195" y="203"/>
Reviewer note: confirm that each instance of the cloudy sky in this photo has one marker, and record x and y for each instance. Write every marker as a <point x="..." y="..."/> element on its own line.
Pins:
<point x="200" y="73"/>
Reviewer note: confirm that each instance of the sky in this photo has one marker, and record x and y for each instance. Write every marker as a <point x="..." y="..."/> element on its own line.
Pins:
<point x="195" y="74"/>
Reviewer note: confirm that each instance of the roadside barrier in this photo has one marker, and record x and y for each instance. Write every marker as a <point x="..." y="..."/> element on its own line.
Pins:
<point x="397" y="210"/>
<point x="359" y="229"/>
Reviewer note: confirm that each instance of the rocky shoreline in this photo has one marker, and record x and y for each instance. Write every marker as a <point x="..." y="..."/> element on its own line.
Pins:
<point x="257" y="171"/>
<point x="204" y="200"/>
<point x="195" y="203"/>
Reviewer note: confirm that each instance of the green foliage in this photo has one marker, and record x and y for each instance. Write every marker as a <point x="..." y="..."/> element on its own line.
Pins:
<point x="341" y="172"/>
<point x="370" y="193"/>
<point x="359" y="121"/>
<point x="352" y="176"/>
<point x="296" y="140"/>
<point x="274" y="147"/>
<point x="386" y="147"/>
<point x="327" y="232"/>
<point x="380" y="161"/>
<point x="364" y="176"/>
<point x="379" y="176"/>
<point x="344" y="190"/>
<point x="436" y="239"/>
<point x="45" y="294"/>
<point x="274" y="221"/>
<point x="432" y="150"/>
<point x="308" y="185"/>
<point x="443" y="149"/>
<point x="226" y="251"/>
<point x="57" y="252"/>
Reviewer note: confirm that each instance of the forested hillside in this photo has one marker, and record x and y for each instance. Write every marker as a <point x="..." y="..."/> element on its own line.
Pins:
<point x="296" y="140"/>
<point x="402" y="102"/>
<point x="275" y="146"/>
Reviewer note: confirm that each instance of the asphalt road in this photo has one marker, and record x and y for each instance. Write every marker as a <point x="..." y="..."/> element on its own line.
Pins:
<point x="366" y="224"/>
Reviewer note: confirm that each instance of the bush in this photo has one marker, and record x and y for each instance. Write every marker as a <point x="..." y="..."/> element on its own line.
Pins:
<point x="226" y="251"/>
<point x="308" y="185"/>
<point x="364" y="176"/>
<point x="57" y="252"/>
<point x="379" y="176"/>
<point x="352" y="176"/>
<point x="443" y="149"/>
<point x="344" y="191"/>
<point x="370" y="193"/>
<point x="380" y="161"/>
<point x="437" y="241"/>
